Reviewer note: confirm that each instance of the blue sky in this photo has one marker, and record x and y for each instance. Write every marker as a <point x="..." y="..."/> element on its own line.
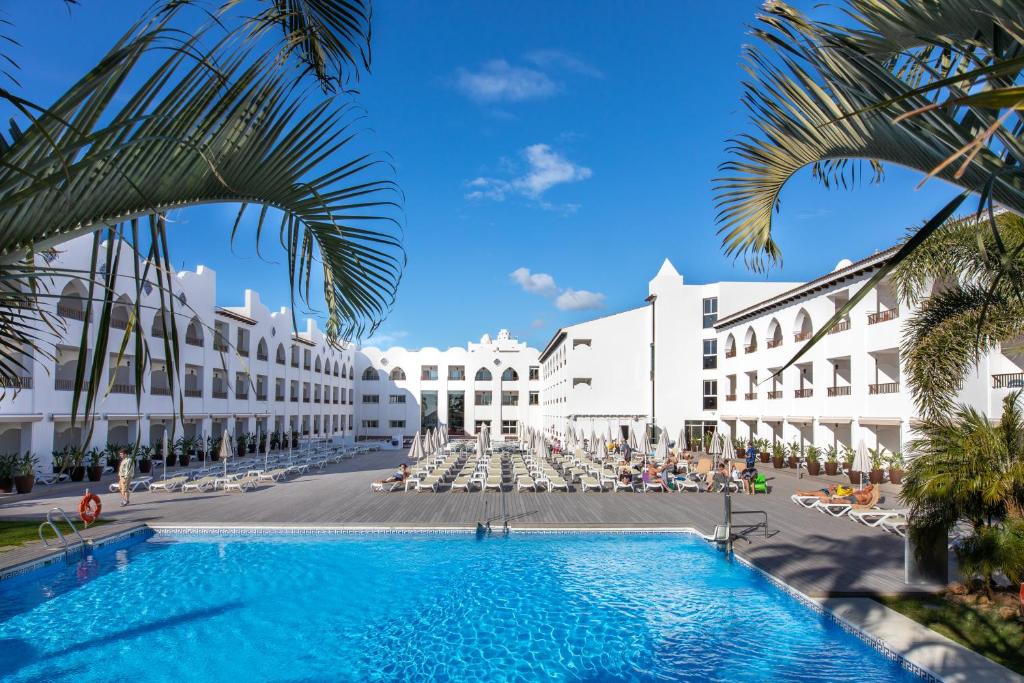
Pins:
<point x="551" y="154"/>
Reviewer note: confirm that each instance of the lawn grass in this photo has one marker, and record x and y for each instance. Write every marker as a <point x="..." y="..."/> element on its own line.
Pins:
<point x="985" y="632"/>
<point x="15" y="533"/>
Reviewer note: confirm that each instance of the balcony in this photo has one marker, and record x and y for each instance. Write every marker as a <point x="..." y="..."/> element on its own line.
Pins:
<point x="66" y="310"/>
<point x="842" y="326"/>
<point x="1008" y="380"/>
<point x="242" y="393"/>
<point x="774" y="395"/>
<point x="193" y="393"/>
<point x="803" y="393"/>
<point x="261" y="396"/>
<point x="193" y="340"/>
<point x="16" y="382"/>
<point x="160" y="391"/>
<point x="750" y="349"/>
<point x="839" y="391"/>
<point x="882" y="316"/>
<point x="883" y="388"/>
<point x="801" y="336"/>
<point x="730" y="397"/>
<point x="61" y="384"/>
<point x="122" y="388"/>
<point x="750" y="397"/>
<point x="774" y="343"/>
<point x="731" y="353"/>
<point x="220" y="393"/>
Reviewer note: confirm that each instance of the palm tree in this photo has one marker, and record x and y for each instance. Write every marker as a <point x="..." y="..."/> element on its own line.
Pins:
<point x="932" y="86"/>
<point x="244" y="102"/>
<point x="967" y="470"/>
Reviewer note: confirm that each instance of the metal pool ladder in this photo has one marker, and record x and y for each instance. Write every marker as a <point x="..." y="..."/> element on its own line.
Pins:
<point x="60" y="536"/>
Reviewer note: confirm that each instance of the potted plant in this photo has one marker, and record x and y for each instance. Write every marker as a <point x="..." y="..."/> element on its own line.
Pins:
<point x="762" y="450"/>
<point x="185" y="452"/>
<point x="172" y="456"/>
<point x="111" y="451"/>
<point x="896" y="467"/>
<point x="793" y="455"/>
<point x="242" y="445"/>
<point x="8" y="461"/>
<point x="295" y="438"/>
<point x="95" y="470"/>
<point x="76" y="464"/>
<point x="831" y="461"/>
<point x="212" y="449"/>
<point x="778" y="455"/>
<point x="848" y="456"/>
<point x="61" y="460"/>
<point x="877" y="474"/>
<point x="262" y="443"/>
<point x="145" y="459"/>
<point x="813" y="461"/>
<point x="250" y="442"/>
<point x="275" y="440"/>
<point x="25" y="473"/>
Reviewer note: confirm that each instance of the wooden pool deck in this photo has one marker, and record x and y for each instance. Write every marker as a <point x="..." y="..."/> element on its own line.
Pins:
<point x="818" y="555"/>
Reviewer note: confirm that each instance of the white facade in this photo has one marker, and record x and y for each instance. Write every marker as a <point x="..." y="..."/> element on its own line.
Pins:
<point x="262" y="377"/>
<point x="494" y="383"/>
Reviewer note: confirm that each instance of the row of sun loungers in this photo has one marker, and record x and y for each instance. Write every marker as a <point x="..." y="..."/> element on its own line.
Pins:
<point x="869" y="514"/>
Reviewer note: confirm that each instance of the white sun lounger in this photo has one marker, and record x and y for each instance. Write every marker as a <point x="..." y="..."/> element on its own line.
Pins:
<point x="201" y="484"/>
<point x="876" y="516"/>
<point x="135" y="485"/>
<point x="896" y="525"/>
<point x="171" y="484"/>
<point x="386" y="486"/>
<point x="588" y="482"/>
<point x="805" y="501"/>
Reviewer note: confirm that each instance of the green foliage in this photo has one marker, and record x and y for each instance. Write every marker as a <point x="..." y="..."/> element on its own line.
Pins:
<point x="877" y="456"/>
<point x="778" y="450"/>
<point x="831" y="454"/>
<point x="994" y="549"/>
<point x="94" y="456"/>
<point x="8" y="463"/>
<point x="25" y="465"/>
<point x="813" y="454"/>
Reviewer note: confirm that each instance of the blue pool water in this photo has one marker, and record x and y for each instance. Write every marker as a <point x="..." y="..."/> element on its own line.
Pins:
<point x="419" y="607"/>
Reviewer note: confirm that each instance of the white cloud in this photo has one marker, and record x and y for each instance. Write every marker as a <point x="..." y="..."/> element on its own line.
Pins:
<point x="534" y="283"/>
<point x="383" y="339"/>
<point x="499" y="81"/>
<point x="537" y="324"/>
<point x="556" y="59"/>
<point x="579" y="300"/>
<point x="546" y="168"/>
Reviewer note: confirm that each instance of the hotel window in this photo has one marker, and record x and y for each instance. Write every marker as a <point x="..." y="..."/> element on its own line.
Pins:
<point x="397" y="374"/>
<point x="396" y="398"/>
<point x="581" y="342"/>
<point x="428" y="372"/>
<point x="534" y="398"/>
<point x="370" y="375"/>
<point x="510" y="375"/>
<point x="371" y="398"/>
<point x="369" y="424"/>
<point x="509" y="427"/>
<point x="710" y="394"/>
<point x="710" y="312"/>
<point x="581" y="380"/>
<point x="483" y="375"/>
<point x="351" y="396"/>
<point x="350" y="421"/>
<point x="534" y="372"/>
<point x="482" y="424"/>
<point x="456" y="373"/>
<point x="482" y="398"/>
<point x="710" y="354"/>
<point x="397" y="424"/>
<point x="510" y="398"/>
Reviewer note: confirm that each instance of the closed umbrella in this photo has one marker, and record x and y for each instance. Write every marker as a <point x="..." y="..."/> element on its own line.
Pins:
<point x="416" y="452"/>
<point x="728" y="452"/>
<point x="681" y="441"/>
<point x="632" y="438"/>
<point x="611" y="434"/>
<point x="166" y="454"/>
<point x="593" y="439"/>
<point x="861" y="461"/>
<point x="266" y="452"/>
<point x="661" y="453"/>
<point x="603" y="447"/>
<point x="225" y="450"/>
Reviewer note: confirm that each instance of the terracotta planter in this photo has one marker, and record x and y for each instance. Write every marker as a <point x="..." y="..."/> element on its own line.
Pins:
<point x="778" y="462"/>
<point x="252" y="448"/>
<point x="214" y="456"/>
<point x="6" y="484"/>
<point x="95" y="473"/>
<point x="171" y="459"/>
<point x="814" y="468"/>
<point x="241" y="451"/>
<point x="793" y="460"/>
<point x="184" y="459"/>
<point x="765" y="457"/>
<point x="24" y="484"/>
<point x="896" y="476"/>
<point x="77" y="473"/>
<point x="831" y="468"/>
<point x="145" y="465"/>
<point x="876" y="476"/>
<point x="855" y="477"/>
<point x="295" y="442"/>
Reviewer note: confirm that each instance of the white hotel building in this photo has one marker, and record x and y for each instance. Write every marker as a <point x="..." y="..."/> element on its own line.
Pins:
<point x="692" y="358"/>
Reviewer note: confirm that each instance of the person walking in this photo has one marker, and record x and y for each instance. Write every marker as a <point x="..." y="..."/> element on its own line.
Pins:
<point x="125" y="474"/>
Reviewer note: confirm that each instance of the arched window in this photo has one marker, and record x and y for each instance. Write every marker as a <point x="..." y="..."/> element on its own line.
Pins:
<point x="262" y="352"/>
<point x="160" y="323"/>
<point x="317" y="366"/>
<point x="483" y="375"/>
<point x="730" y="346"/>
<point x="337" y="372"/>
<point x="750" y="341"/>
<point x="397" y="374"/>
<point x="281" y="357"/>
<point x="370" y="375"/>
<point x="510" y="375"/>
<point x="802" y="329"/>
<point x="121" y="312"/>
<point x="774" y="334"/>
<point x="194" y="332"/>
<point x="72" y="301"/>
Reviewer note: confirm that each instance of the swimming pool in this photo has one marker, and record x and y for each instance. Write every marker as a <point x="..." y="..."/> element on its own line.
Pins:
<point x="452" y="607"/>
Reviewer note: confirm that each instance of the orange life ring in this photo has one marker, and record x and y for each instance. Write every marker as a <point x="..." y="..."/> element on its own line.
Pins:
<point x="90" y="514"/>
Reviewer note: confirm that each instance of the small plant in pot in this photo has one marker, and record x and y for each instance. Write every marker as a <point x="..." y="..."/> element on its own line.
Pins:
<point x="242" y="445"/>
<point x="295" y="438"/>
<point x="8" y="461"/>
<point x="76" y="464"/>
<point x="61" y="460"/>
<point x="778" y="455"/>
<point x="250" y="442"/>
<point x="896" y="467"/>
<point x="762" y="450"/>
<point x="275" y="440"/>
<point x="111" y="452"/>
<point x="184" y="448"/>
<point x="793" y="455"/>
<point x="25" y="473"/>
<point x="831" y="461"/>
<point x="813" y="461"/>
<point x="145" y="461"/>
<point x="848" y="456"/>
<point x="172" y="456"/>
<point x="877" y="474"/>
<point x="95" y="458"/>
<point x="212" y="448"/>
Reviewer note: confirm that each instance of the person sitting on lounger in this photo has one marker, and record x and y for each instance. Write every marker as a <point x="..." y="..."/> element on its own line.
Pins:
<point x="625" y="476"/>
<point x="400" y="475"/>
<point x="718" y="479"/>
<point x="668" y="470"/>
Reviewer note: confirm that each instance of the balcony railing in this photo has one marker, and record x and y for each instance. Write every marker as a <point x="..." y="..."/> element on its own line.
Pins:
<point x="774" y="395"/>
<point x="731" y="353"/>
<point x="193" y="393"/>
<point x="305" y="399"/>
<point x="801" y="336"/>
<point x="261" y="355"/>
<point x="750" y="349"/>
<point x="752" y="396"/>
<point x="882" y="316"/>
<point x="68" y="310"/>
<point x="839" y="391"/>
<point x="730" y="397"/>
<point x="883" y="388"/>
<point x="295" y="363"/>
<point x="61" y="384"/>
<point x="220" y="393"/>
<point x="1008" y="380"/>
<point x="16" y="382"/>
<point x="316" y="399"/>
<point x="841" y="326"/>
<point x="803" y="393"/>
<point x="193" y="340"/>
<point x="774" y="343"/>
<point x="305" y="366"/>
<point x="280" y="360"/>
<point x="160" y="391"/>
<point x="122" y="388"/>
